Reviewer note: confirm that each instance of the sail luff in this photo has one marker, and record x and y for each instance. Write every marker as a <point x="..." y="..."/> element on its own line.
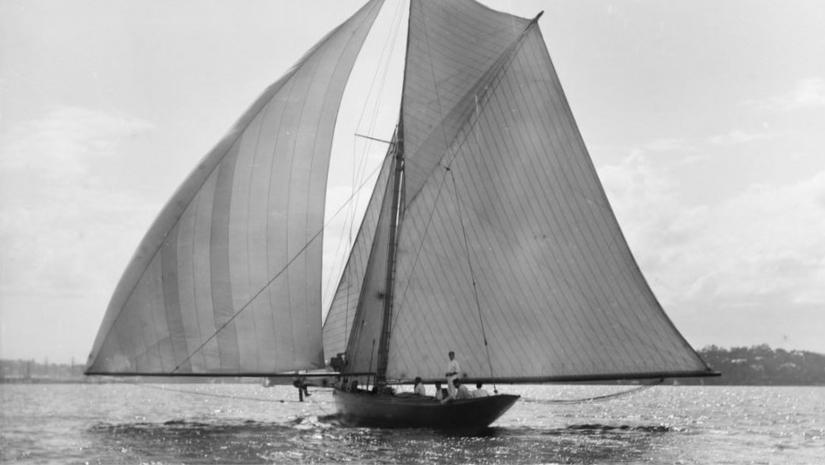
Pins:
<point x="614" y="237"/>
<point x="572" y="223"/>
<point x="618" y="238"/>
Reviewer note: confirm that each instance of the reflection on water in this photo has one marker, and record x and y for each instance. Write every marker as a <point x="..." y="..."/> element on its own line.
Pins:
<point x="310" y="439"/>
<point x="119" y="424"/>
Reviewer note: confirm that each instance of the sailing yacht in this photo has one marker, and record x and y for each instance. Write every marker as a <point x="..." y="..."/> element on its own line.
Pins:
<point x="488" y="233"/>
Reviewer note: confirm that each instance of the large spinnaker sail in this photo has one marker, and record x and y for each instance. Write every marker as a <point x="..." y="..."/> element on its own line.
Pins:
<point x="514" y="197"/>
<point x="228" y="278"/>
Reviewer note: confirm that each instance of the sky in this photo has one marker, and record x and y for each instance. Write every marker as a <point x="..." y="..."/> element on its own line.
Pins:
<point x="705" y="120"/>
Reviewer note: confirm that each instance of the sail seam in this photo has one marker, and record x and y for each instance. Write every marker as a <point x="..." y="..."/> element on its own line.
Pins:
<point x="571" y="177"/>
<point x="234" y="135"/>
<point x="489" y="77"/>
<point x="278" y="274"/>
<point x="492" y="75"/>
<point x="181" y="202"/>
<point x="472" y="272"/>
<point x="249" y="204"/>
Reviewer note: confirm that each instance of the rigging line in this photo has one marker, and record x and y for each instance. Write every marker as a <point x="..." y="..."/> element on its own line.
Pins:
<point x="373" y="138"/>
<point x="332" y="285"/>
<point x="384" y="61"/>
<point x="276" y="276"/>
<point x="358" y="167"/>
<point x="493" y="74"/>
<point x="472" y="271"/>
<point x="450" y="156"/>
<point x="601" y="398"/>
<point x="208" y="394"/>
<point x="235" y="133"/>
<point x="418" y="253"/>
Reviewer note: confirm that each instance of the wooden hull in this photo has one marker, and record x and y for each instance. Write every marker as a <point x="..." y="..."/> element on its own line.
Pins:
<point x="411" y="411"/>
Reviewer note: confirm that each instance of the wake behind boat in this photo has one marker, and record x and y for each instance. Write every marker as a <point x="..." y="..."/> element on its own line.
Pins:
<point x="487" y="232"/>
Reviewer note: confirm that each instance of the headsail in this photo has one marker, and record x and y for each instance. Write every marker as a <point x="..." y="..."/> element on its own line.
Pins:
<point x="365" y="334"/>
<point x="338" y="324"/>
<point x="228" y="279"/>
<point x="502" y="184"/>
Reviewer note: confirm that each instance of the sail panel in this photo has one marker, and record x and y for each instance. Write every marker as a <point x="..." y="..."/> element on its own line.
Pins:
<point x="451" y="45"/>
<point x="365" y="334"/>
<point x="560" y="295"/>
<point x="342" y="309"/>
<point x="227" y="280"/>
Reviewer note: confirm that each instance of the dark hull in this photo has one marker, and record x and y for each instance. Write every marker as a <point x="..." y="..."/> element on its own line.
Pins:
<point x="411" y="411"/>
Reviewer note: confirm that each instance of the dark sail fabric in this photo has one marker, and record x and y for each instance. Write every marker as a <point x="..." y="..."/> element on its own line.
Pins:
<point x="559" y="294"/>
<point x="228" y="278"/>
<point x="338" y="323"/>
<point x="451" y="45"/>
<point x="363" y="342"/>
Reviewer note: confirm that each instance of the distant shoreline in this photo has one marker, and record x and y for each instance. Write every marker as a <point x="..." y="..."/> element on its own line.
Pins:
<point x="740" y="366"/>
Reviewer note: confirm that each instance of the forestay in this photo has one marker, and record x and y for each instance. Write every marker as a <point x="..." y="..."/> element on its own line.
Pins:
<point x="510" y="192"/>
<point x="228" y="279"/>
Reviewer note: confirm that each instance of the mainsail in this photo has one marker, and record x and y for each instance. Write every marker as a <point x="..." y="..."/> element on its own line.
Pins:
<point x="228" y="278"/>
<point x="508" y="252"/>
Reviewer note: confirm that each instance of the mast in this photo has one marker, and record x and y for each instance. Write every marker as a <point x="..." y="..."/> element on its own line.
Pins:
<point x="386" y="324"/>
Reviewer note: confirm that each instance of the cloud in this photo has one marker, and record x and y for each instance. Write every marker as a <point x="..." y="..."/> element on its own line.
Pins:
<point x="808" y="93"/>
<point x="764" y="245"/>
<point x="667" y="144"/>
<point x="64" y="223"/>
<point x="737" y="137"/>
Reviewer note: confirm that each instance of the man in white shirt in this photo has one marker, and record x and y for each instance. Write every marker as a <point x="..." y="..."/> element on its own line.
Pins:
<point x="480" y="392"/>
<point x="460" y="391"/>
<point x="440" y="392"/>
<point x="453" y="369"/>
<point x="418" y="388"/>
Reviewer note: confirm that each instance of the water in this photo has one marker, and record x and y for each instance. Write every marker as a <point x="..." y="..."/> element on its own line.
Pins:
<point x="202" y="423"/>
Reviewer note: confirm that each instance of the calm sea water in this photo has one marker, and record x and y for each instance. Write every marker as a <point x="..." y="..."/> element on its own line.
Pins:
<point x="173" y="424"/>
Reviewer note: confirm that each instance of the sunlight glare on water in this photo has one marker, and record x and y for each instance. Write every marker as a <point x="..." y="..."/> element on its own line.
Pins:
<point x="222" y="423"/>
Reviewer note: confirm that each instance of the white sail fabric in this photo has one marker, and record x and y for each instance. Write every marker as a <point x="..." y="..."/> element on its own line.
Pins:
<point x="228" y="279"/>
<point x="338" y="324"/>
<point x="560" y="295"/>
<point x="451" y="45"/>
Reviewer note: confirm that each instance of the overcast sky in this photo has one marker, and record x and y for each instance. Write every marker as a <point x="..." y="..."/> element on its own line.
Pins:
<point x="705" y="120"/>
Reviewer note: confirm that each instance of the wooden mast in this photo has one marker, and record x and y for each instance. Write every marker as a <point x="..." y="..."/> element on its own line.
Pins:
<point x="386" y="322"/>
<point x="398" y="173"/>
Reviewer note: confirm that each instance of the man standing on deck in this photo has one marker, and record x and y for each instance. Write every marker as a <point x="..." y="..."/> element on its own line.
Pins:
<point x="453" y="369"/>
